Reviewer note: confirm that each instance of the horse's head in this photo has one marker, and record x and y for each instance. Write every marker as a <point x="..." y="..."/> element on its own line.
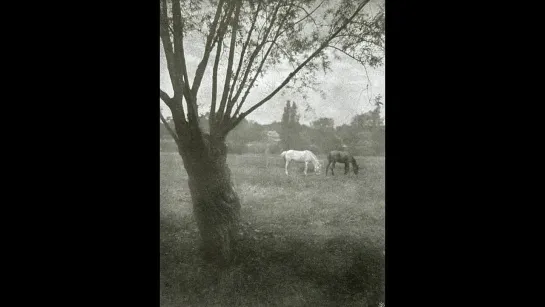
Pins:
<point x="318" y="167"/>
<point x="355" y="166"/>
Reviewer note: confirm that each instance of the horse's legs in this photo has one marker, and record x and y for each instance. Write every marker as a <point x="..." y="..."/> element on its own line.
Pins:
<point x="306" y="167"/>
<point x="327" y="167"/>
<point x="346" y="168"/>
<point x="332" y="168"/>
<point x="287" y="162"/>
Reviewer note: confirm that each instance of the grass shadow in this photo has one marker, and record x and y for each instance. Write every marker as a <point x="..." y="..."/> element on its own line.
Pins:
<point x="271" y="269"/>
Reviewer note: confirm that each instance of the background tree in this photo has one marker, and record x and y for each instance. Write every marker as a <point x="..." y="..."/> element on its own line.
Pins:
<point x="378" y="134"/>
<point x="368" y="131"/>
<point x="285" y="134"/>
<point x="244" y="39"/>
<point x="291" y="128"/>
<point x="242" y="134"/>
<point x="324" y="135"/>
<point x="295" y="128"/>
<point x="375" y="114"/>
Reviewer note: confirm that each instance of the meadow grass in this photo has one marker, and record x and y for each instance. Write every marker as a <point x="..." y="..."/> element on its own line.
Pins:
<point x="312" y="240"/>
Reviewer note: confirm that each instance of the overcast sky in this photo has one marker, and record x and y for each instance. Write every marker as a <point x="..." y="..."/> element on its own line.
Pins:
<point x="348" y="90"/>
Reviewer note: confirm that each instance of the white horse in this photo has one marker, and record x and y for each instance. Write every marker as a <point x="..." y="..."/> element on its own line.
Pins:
<point x="301" y="156"/>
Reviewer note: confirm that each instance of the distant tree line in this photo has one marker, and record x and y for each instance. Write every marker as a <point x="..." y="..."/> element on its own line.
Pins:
<point x="364" y="136"/>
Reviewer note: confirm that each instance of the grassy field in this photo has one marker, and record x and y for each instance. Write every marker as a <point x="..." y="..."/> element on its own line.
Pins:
<point x="306" y="241"/>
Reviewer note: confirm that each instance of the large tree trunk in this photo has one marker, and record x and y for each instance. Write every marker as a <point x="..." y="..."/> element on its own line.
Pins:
<point x="216" y="205"/>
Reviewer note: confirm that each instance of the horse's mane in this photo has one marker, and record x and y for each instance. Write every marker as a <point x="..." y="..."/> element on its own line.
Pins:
<point x="313" y="156"/>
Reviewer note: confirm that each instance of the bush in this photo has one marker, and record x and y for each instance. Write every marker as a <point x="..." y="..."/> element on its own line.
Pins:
<point x="236" y="148"/>
<point x="275" y="149"/>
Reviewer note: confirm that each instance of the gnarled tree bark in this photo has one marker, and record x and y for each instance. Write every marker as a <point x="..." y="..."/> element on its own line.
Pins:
<point x="216" y="205"/>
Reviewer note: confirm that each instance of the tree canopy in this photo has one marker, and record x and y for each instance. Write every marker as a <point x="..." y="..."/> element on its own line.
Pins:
<point x="246" y="39"/>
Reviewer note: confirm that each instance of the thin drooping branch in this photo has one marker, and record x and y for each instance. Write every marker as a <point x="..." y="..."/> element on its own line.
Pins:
<point x="289" y="56"/>
<point x="305" y="17"/>
<point x="172" y="133"/>
<point x="354" y="58"/>
<point x="292" y="74"/>
<point x="348" y="54"/>
<point x="207" y="49"/>
<point x="362" y="40"/>
<point x="308" y="14"/>
<point x="243" y="51"/>
<point x="234" y="28"/>
<point x="260" y="28"/>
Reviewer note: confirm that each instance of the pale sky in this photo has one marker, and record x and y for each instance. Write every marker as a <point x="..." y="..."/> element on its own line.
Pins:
<point x="345" y="87"/>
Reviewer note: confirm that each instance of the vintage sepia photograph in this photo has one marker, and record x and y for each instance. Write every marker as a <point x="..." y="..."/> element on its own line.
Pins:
<point x="272" y="153"/>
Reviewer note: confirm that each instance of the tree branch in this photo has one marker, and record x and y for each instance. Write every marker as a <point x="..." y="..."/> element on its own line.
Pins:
<point x="289" y="56"/>
<point x="292" y="74"/>
<point x="213" y="29"/>
<point x="234" y="26"/>
<point x="212" y="118"/>
<point x="175" y="105"/>
<point x="169" y="52"/>
<point x="346" y="53"/>
<point x="359" y="61"/>
<point x="191" y="100"/>
<point x="359" y="37"/>
<point x="239" y="105"/>
<point x="222" y="26"/>
<point x="243" y="51"/>
<point x="219" y="41"/>
<point x="277" y="34"/>
<point x="192" y="109"/>
<point x="179" y="39"/>
<point x="166" y="98"/>
<point x="172" y="133"/>
<point x="199" y="73"/>
<point x="308" y="14"/>
<point x="255" y="53"/>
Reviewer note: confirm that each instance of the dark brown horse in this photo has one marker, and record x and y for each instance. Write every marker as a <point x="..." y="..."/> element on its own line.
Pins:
<point x="341" y="157"/>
